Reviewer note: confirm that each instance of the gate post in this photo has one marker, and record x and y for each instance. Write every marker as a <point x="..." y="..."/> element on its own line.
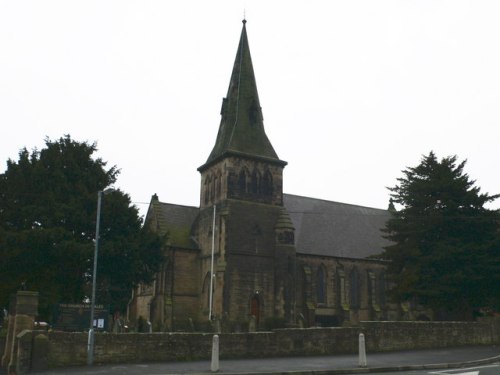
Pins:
<point x="26" y="309"/>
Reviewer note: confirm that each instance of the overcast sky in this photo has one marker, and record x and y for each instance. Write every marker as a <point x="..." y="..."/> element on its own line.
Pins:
<point x="352" y="91"/>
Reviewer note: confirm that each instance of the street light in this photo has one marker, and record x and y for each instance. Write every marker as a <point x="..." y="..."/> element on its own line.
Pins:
<point x="90" y="343"/>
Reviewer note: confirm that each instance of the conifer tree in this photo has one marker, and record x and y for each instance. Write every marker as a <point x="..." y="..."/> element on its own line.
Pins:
<point x="48" y="202"/>
<point x="446" y="248"/>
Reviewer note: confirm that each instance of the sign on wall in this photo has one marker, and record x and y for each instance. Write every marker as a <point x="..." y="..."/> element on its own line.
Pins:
<point x="75" y="317"/>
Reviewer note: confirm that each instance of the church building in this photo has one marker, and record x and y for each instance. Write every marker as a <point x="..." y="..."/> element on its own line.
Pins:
<point x="251" y="252"/>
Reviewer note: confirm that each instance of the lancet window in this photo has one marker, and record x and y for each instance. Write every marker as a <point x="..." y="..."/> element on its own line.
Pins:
<point x="321" y="285"/>
<point x="355" y="292"/>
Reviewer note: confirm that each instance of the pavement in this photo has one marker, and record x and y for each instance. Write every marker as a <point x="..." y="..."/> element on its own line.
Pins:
<point x="335" y="364"/>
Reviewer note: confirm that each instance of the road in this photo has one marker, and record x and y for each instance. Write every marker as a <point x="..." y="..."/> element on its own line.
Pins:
<point x="485" y="357"/>
<point x="489" y="369"/>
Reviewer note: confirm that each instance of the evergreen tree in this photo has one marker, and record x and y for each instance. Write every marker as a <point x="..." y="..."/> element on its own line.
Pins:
<point x="48" y="202"/>
<point x="446" y="248"/>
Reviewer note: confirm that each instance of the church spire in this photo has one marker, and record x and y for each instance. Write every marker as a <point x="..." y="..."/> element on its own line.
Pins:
<point x="241" y="130"/>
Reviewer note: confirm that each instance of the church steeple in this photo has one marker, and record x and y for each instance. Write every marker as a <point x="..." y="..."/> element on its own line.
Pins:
<point x="241" y="131"/>
<point x="243" y="165"/>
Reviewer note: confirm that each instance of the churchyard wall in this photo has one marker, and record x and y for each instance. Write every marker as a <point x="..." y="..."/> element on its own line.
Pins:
<point x="69" y="349"/>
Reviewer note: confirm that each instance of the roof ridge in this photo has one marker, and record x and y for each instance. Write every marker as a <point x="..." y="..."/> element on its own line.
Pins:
<point x="178" y="205"/>
<point x="337" y="202"/>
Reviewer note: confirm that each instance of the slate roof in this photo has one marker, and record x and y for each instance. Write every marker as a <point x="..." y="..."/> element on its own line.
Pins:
<point x="241" y="130"/>
<point x="321" y="227"/>
<point x="336" y="229"/>
<point x="176" y="220"/>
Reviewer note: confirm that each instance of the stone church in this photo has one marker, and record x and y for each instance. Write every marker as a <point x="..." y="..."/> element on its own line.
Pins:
<point x="249" y="251"/>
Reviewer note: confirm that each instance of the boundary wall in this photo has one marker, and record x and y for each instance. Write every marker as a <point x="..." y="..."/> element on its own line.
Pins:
<point x="60" y="349"/>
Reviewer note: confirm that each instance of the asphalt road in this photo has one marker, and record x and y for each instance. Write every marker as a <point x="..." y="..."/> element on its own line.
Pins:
<point x="487" y="369"/>
<point x="436" y="362"/>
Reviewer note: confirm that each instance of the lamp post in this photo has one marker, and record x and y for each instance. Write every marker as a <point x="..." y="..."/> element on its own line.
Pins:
<point x="90" y="342"/>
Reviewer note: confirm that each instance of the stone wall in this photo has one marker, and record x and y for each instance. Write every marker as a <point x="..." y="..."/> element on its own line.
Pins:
<point x="386" y="336"/>
<point x="68" y="349"/>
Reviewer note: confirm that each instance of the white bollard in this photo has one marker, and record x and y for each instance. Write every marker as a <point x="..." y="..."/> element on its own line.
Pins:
<point x="362" y="351"/>
<point x="214" y="366"/>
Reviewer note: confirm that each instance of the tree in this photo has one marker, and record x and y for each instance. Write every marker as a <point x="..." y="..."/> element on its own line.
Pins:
<point x="48" y="202"/>
<point x="446" y="248"/>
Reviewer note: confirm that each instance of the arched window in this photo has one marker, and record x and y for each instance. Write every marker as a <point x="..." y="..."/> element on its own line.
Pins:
<point x="212" y="189"/>
<point x="267" y="184"/>
<point x="372" y="288"/>
<point x="255" y="182"/>
<point x="218" y="187"/>
<point x="381" y="289"/>
<point x="340" y="289"/>
<point x="231" y="184"/>
<point x="321" y="285"/>
<point x="355" y="293"/>
<point x="242" y="181"/>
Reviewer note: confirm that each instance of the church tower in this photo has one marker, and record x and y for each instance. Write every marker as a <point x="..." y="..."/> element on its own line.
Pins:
<point x="242" y="193"/>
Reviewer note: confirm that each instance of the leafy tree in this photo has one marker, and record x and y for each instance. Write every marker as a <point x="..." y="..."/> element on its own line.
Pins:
<point x="48" y="202"/>
<point x="446" y="248"/>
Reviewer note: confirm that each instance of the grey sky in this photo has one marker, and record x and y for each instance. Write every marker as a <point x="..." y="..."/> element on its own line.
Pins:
<point x="352" y="92"/>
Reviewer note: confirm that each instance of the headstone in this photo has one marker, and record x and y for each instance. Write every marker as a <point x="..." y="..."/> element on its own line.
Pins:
<point x="217" y="325"/>
<point x="252" y="325"/>
<point x="302" y="321"/>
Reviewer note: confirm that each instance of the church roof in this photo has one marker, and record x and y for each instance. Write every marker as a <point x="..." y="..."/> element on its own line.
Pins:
<point x="174" y="220"/>
<point x="336" y="229"/>
<point x="322" y="227"/>
<point x="241" y="130"/>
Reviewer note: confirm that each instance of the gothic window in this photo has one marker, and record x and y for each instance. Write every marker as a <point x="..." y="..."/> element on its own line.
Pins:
<point x="267" y="184"/>
<point x="341" y="294"/>
<point x="212" y="189"/>
<point x="231" y="184"/>
<point x="242" y="181"/>
<point x="355" y="293"/>
<point x="381" y="289"/>
<point x="218" y="186"/>
<point x="255" y="182"/>
<point x="321" y="285"/>
<point x="372" y="291"/>
<point x="302" y="286"/>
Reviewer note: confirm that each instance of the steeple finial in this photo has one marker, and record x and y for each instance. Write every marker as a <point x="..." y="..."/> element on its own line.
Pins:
<point x="244" y="16"/>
